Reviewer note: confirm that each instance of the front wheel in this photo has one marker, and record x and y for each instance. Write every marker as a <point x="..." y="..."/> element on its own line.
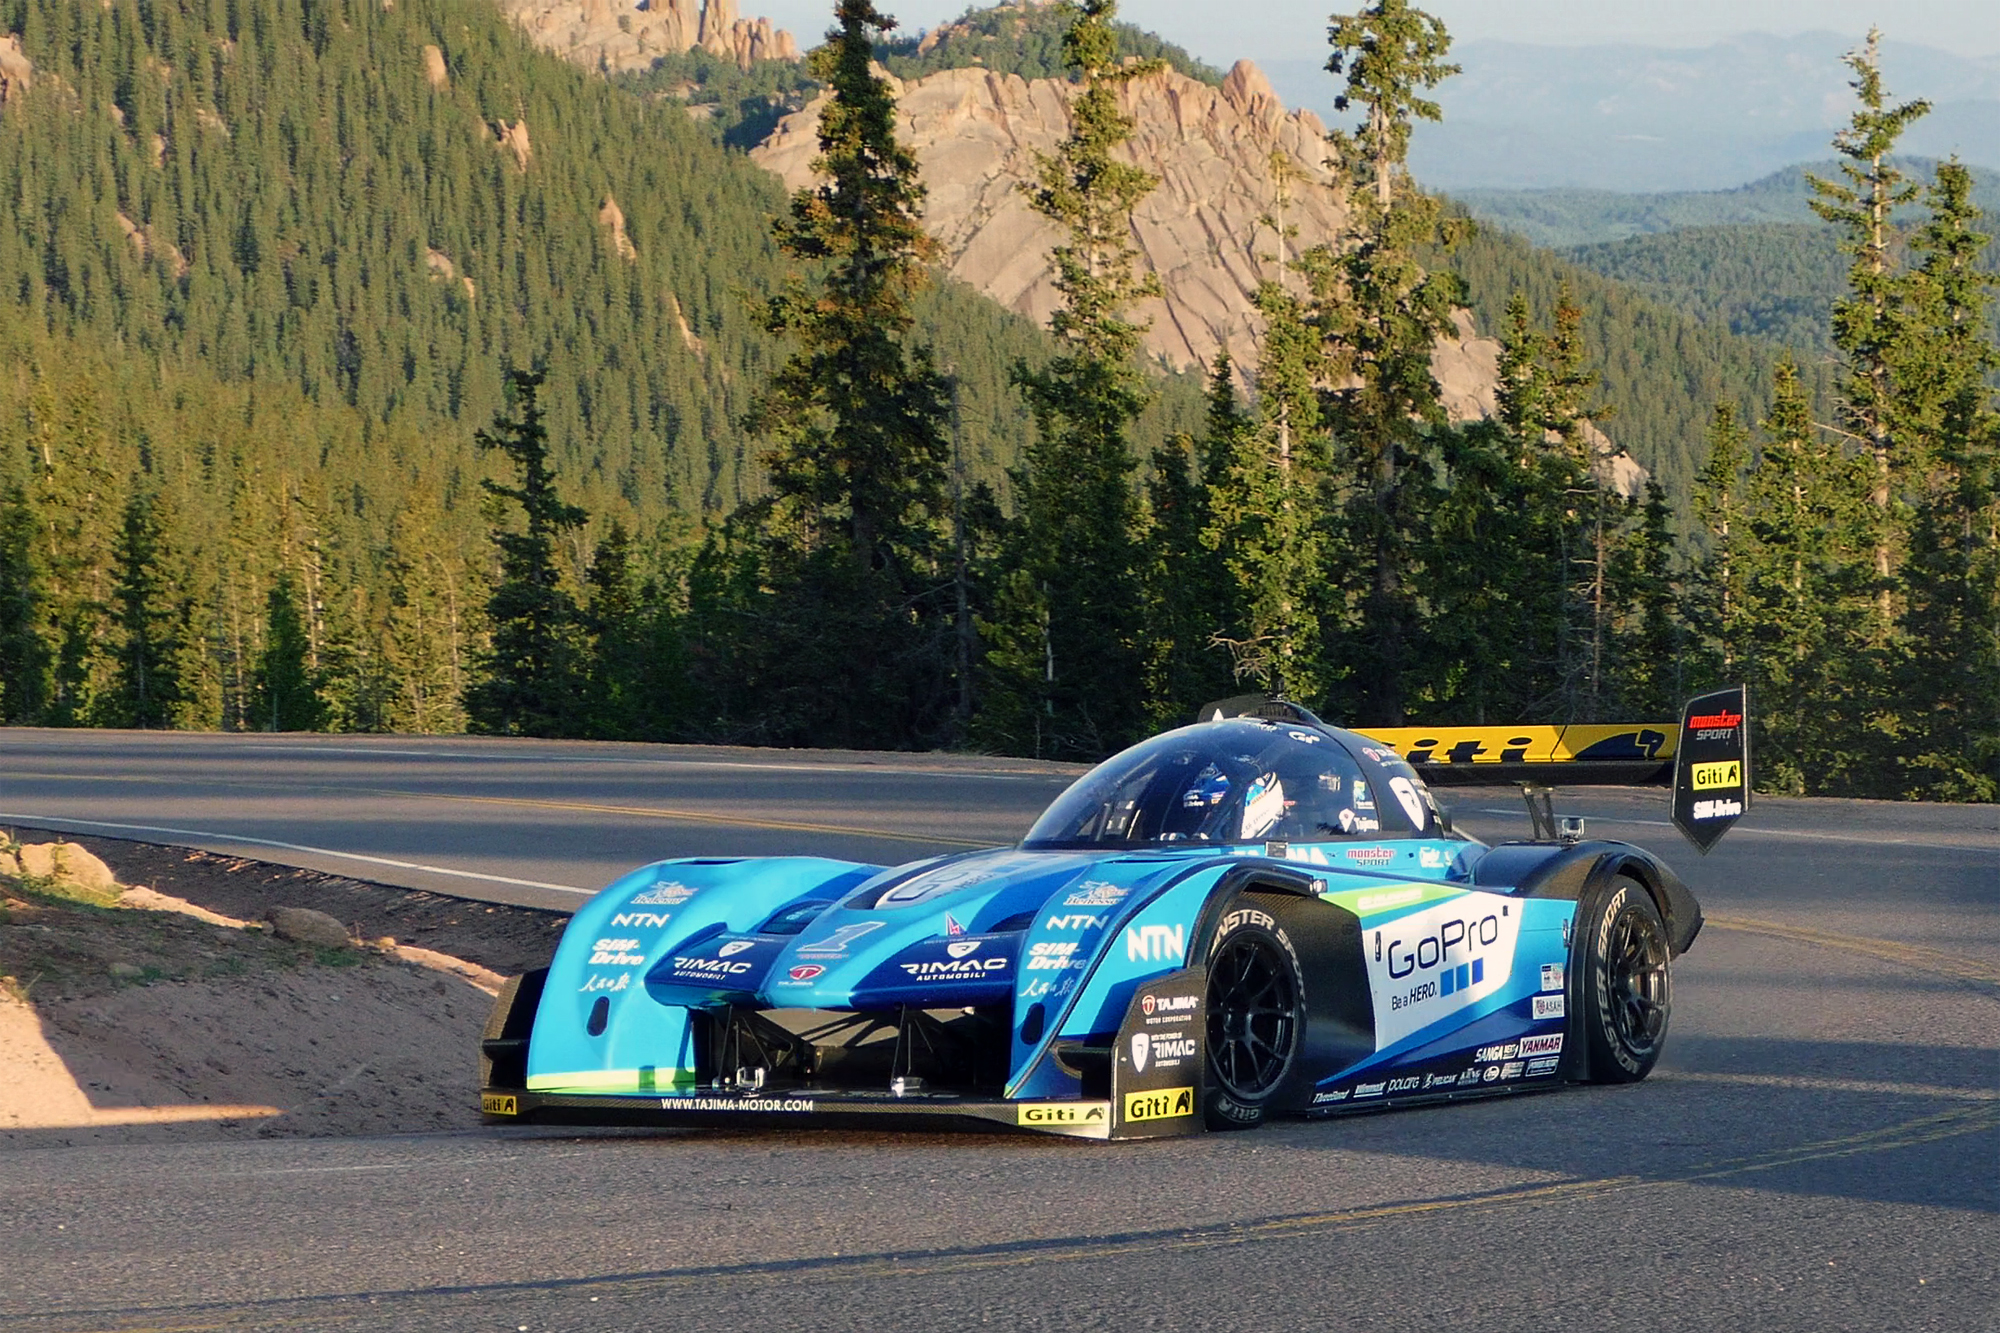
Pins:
<point x="1256" y="1017"/>
<point x="1627" y="986"/>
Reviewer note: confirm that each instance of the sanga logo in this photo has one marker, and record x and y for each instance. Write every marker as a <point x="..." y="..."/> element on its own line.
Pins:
<point x="1165" y="1104"/>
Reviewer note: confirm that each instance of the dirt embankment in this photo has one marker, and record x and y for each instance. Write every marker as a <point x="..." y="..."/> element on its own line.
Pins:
<point x="178" y="1009"/>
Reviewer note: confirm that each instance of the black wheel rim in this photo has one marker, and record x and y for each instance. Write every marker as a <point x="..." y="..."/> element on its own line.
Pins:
<point x="1636" y="962"/>
<point x="1252" y="1017"/>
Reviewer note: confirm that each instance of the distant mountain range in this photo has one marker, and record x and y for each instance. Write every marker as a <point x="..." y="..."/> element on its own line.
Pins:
<point x="1643" y="118"/>
<point x="1559" y="218"/>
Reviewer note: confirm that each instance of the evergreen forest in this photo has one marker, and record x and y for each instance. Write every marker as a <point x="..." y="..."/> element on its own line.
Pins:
<point x="363" y="368"/>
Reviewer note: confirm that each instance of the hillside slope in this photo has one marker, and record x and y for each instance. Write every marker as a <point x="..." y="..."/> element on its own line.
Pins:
<point x="387" y="206"/>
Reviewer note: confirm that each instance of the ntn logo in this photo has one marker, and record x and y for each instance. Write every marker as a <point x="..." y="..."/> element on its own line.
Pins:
<point x="1155" y="944"/>
<point x="1074" y="921"/>
<point x="642" y="920"/>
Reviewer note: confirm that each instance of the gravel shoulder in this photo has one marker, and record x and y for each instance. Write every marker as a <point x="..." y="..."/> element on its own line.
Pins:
<point x="172" y="1011"/>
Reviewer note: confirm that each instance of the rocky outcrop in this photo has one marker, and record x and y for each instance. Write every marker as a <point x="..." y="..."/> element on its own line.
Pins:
<point x="615" y="35"/>
<point x="514" y="139"/>
<point x="612" y="218"/>
<point x="16" y="71"/>
<point x="1229" y="160"/>
<point x="146" y="244"/>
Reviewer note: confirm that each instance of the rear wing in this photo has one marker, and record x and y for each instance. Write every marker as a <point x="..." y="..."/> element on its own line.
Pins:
<point x="1705" y="757"/>
<point x="1578" y="755"/>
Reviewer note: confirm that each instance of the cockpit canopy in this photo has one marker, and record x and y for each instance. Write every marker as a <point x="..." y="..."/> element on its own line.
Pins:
<point x="1241" y="781"/>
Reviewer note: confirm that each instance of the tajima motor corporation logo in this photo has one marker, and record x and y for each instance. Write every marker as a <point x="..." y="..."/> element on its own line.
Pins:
<point x="806" y="972"/>
<point x="1430" y="964"/>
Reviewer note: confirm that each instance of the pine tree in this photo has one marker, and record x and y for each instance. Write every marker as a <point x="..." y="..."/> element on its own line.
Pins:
<point x="856" y="634"/>
<point x="1380" y="312"/>
<point x="534" y="672"/>
<point x="1064" y="641"/>
<point x="287" y="695"/>
<point x="1190" y="608"/>
<point x="1949" y="680"/>
<point x="146" y="686"/>
<point x="23" y="656"/>
<point x="1719" y="608"/>
<point x="1869" y="324"/>
<point x="1807" y="590"/>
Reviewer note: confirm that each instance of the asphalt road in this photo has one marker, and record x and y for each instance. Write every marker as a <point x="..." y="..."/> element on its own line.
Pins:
<point x="1820" y="1148"/>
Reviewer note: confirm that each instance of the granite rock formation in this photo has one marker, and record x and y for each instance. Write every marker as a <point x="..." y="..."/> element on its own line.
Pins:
<point x="16" y="72"/>
<point x="614" y="35"/>
<point x="1228" y="158"/>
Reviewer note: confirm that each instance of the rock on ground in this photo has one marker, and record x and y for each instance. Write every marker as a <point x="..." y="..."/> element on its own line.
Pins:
<point x="302" y="925"/>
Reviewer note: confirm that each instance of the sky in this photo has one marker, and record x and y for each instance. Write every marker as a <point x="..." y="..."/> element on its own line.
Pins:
<point x="1281" y="29"/>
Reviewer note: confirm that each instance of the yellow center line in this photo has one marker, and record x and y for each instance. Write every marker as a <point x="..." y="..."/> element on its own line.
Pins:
<point x="1918" y="956"/>
<point x="347" y="1308"/>
<point x="581" y="807"/>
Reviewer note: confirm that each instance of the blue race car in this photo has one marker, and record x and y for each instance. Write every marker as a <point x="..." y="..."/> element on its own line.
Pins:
<point x="1257" y="915"/>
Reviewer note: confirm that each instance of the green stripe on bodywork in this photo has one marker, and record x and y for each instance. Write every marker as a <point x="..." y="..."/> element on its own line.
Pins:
<point x="646" y="1079"/>
<point x="1391" y="898"/>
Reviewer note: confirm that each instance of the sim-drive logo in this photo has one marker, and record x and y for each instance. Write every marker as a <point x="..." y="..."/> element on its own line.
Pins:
<point x="1430" y="964"/>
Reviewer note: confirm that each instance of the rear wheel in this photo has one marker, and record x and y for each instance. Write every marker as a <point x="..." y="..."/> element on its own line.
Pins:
<point x="1627" y="986"/>
<point x="1256" y="1016"/>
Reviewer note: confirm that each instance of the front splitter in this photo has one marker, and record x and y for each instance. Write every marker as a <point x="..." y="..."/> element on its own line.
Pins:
<point x="804" y="1108"/>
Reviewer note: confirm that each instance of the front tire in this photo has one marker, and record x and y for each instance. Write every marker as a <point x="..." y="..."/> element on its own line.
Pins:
<point x="1255" y="1017"/>
<point x="1627" y="986"/>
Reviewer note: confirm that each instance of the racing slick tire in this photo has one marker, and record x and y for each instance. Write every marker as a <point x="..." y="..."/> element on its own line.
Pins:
<point x="1627" y="990"/>
<point x="1256" y="1015"/>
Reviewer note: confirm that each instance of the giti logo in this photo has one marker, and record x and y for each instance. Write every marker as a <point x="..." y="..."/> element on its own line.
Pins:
<point x="1062" y="1113"/>
<point x="1708" y="777"/>
<point x="1165" y="1104"/>
<point x="1155" y="944"/>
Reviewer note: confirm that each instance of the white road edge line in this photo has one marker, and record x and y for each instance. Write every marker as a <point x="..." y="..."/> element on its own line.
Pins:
<point x="54" y="821"/>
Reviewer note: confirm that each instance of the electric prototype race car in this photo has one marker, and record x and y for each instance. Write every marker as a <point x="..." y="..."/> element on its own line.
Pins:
<point x="1257" y="915"/>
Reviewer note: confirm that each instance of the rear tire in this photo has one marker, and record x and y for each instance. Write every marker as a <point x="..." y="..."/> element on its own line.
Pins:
<point x="1255" y="1017"/>
<point x="1627" y="985"/>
